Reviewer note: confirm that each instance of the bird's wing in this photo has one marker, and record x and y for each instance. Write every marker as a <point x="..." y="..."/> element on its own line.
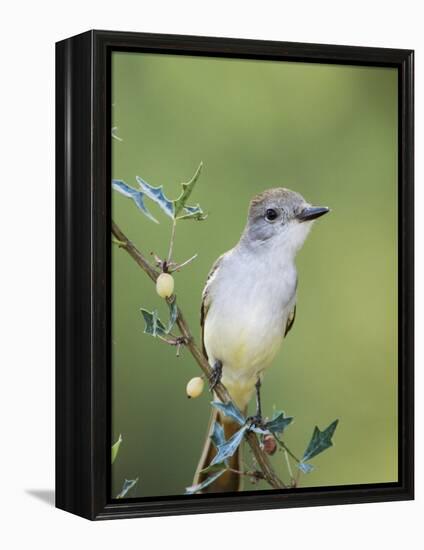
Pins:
<point x="290" y="320"/>
<point x="292" y="315"/>
<point x="206" y="298"/>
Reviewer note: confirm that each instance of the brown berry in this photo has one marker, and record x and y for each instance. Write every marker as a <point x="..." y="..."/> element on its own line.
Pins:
<point x="269" y="444"/>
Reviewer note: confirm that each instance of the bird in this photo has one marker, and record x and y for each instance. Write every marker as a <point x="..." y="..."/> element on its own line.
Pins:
<point x="248" y="307"/>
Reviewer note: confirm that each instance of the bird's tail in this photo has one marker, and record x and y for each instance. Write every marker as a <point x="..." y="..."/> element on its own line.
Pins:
<point x="229" y="481"/>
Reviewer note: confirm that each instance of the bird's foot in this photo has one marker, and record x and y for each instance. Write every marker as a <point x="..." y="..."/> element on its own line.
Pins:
<point x="256" y="420"/>
<point x="216" y="375"/>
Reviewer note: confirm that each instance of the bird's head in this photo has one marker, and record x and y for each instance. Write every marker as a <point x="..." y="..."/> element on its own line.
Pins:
<point x="280" y="217"/>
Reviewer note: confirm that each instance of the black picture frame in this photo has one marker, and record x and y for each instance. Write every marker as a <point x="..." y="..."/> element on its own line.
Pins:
<point x="83" y="273"/>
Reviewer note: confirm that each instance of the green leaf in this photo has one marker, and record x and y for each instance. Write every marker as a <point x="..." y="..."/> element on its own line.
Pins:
<point x="193" y="213"/>
<point x="217" y="436"/>
<point x="199" y="486"/>
<point x="115" y="448"/>
<point x="230" y="410"/>
<point x="157" y="195"/>
<point x="320" y="441"/>
<point x="136" y="196"/>
<point x="305" y="468"/>
<point x="127" y="486"/>
<point x="114" y="135"/>
<point x="227" y="449"/>
<point x="188" y="187"/>
<point x="153" y="325"/>
<point x="173" y="314"/>
<point x="278" y="422"/>
<point x="172" y="208"/>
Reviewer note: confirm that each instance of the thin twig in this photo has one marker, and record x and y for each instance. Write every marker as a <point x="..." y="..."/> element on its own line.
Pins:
<point x="172" y="340"/>
<point x="118" y="243"/>
<point x="171" y="242"/>
<point x="286" y="449"/>
<point x="183" y="264"/>
<point x="289" y="468"/>
<point x="220" y="390"/>
<point x="253" y="473"/>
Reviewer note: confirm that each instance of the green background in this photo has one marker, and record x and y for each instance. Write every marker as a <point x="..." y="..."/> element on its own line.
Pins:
<point x="326" y="131"/>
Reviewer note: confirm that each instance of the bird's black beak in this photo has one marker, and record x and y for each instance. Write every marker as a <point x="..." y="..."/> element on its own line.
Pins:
<point x="312" y="213"/>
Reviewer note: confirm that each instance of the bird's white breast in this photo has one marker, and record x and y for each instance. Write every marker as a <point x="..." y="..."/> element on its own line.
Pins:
<point x="250" y="300"/>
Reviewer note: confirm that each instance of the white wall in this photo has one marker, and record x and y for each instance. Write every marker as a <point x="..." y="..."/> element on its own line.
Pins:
<point x="29" y="30"/>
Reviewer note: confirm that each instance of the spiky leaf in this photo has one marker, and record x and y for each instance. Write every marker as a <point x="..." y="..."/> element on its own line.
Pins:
<point x="188" y="187"/>
<point x="115" y="448"/>
<point x="278" y="422"/>
<point x="227" y="449"/>
<point x="127" y="486"/>
<point x="173" y="314"/>
<point x="157" y="195"/>
<point x="305" y="468"/>
<point x="217" y="436"/>
<point x="230" y="410"/>
<point x="320" y="441"/>
<point x="135" y="195"/>
<point x="193" y="213"/>
<point x="199" y="486"/>
<point x="114" y="130"/>
<point x="153" y="325"/>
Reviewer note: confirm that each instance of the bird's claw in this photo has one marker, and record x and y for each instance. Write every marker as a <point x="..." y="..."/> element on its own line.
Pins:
<point x="256" y="420"/>
<point x="216" y="375"/>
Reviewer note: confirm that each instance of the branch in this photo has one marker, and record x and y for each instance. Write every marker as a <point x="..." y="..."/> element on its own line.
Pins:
<point x="127" y="245"/>
<point x="261" y="457"/>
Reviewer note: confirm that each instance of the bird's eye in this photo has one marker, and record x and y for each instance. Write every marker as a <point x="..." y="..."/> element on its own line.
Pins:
<point x="271" y="215"/>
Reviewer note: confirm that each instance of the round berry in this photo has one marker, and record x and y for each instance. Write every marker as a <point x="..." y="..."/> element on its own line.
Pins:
<point x="195" y="387"/>
<point x="165" y="285"/>
<point x="269" y="444"/>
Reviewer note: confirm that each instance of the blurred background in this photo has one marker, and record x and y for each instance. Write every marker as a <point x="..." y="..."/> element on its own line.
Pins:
<point x="326" y="131"/>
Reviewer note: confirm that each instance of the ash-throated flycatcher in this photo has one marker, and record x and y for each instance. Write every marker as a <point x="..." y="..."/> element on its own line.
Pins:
<point x="249" y="305"/>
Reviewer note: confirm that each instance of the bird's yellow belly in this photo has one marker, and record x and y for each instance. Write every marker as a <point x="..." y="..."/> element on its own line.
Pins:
<point x="245" y="350"/>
